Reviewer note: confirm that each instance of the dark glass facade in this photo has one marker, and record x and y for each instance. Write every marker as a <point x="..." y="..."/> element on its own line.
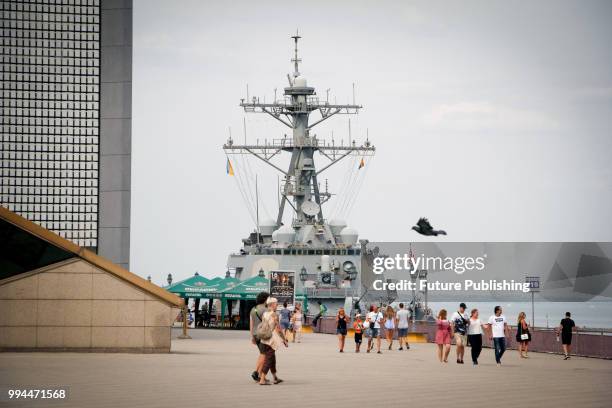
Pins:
<point x="50" y="114"/>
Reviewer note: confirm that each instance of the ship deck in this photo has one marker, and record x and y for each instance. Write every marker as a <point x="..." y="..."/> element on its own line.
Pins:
<point x="213" y="370"/>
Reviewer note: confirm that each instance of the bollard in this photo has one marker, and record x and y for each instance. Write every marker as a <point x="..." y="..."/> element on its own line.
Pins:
<point x="184" y="335"/>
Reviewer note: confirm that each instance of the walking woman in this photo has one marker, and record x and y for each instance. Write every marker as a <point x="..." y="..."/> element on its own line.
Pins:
<point x="296" y="323"/>
<point x="359" y="328"/>
<point x="523" y="337"/>
<point x="272" y="338"/>
<point x="389" y="325"/>
<point x="475" y="335"/>
<point x="341" y="324"/>
<point x="443" y="336"/>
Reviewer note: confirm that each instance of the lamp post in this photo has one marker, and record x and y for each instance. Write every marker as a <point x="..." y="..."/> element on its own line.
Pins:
<point x="169" y="279"/>
<point x="534" y="286"/>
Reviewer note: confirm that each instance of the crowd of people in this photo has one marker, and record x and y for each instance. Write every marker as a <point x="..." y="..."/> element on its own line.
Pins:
<point x="271" y="329"/>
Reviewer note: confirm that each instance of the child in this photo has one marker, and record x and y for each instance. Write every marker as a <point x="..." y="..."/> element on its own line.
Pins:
<point x="358" y="326"/>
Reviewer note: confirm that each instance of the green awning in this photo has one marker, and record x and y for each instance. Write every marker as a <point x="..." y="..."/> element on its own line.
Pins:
<point x="194" y="287"/>
<point x="247" y="289"/>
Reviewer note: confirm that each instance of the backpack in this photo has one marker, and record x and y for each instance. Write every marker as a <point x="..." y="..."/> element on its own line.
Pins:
<point x="264" y="330"/>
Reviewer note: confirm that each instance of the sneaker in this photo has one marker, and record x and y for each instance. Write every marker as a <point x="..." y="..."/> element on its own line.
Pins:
<point x="379" y="352"/>
<point x="566" y="358"/>
<point x="255" y="376"/>
<point x="475" y="363"/>
<point x="407" y="347"/>
<point x="401" y="348"/>
<point x="461" y="362"/>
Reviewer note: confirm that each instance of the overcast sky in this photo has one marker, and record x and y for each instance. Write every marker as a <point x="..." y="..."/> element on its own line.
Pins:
<point x="492" y="118"/>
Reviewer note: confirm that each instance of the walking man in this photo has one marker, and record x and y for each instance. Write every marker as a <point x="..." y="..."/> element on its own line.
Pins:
<point x="566" y="328"/>
<point x="402" y="326"/>
<point x="499" y="330"/>
<point x="374" y="318"/>
<point x="255" y="318"/>
<point x="460" y="323"/>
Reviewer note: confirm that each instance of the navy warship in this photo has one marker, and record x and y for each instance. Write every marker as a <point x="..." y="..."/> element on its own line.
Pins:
<point x="326" y="256"/>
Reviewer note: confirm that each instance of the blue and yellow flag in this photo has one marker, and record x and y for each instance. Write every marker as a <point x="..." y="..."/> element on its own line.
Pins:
<point x="228" y="168"/>
<point x="361" y="163"/>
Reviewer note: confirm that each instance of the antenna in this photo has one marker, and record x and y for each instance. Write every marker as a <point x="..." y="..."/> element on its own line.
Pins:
<point x="244" y="128"/>
<point x="296" y="60"/>
<point x="257" y="206"/>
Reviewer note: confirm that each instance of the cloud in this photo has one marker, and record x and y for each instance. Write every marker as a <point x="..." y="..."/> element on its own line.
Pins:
<point x="474" y="116"/>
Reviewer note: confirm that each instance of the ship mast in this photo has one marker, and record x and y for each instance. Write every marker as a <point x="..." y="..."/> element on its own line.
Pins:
<point x="300" y="188"/>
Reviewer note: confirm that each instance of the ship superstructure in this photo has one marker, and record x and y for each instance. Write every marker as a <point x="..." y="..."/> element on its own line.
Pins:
<point x="325" y="254"/>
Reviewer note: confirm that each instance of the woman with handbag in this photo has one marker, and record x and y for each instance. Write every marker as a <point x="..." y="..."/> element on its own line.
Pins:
<point x="523" y="337"/>
<point x="272" y="337"/>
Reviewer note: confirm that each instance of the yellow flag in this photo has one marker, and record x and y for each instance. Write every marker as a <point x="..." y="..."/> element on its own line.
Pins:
<point x="361" y="163"/>
<point x="229" y="168"/>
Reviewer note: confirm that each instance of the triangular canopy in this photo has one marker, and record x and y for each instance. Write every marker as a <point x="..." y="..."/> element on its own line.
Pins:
<point x="247" y="289"/>
<point x="194" y="287"/>
<point x="229" y="282"/>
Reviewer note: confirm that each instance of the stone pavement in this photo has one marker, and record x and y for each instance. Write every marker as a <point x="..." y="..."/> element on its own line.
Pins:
<point x="213" y="370"/>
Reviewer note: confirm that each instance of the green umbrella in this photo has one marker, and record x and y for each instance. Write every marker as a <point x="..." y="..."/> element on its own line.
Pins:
<point x="195" y="287"/>
<point x="247" y="289"/>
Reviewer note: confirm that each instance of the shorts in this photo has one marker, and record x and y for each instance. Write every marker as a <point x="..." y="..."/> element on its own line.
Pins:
<point x="358" y="338"/>
<point x="341" y="331"/>
<point x="284" y="325"/>
<point x="402" y="332"/>
<point x="374" y="332"/>
<point x="260" y="346"/>
<point x="460" y="339"/>
<point x="566" y="338"/>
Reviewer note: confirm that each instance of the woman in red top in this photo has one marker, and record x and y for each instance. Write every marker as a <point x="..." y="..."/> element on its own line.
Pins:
<point x="443" y="336"/>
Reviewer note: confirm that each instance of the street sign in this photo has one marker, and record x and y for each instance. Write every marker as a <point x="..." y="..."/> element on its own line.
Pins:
<point x="534" y="283"/>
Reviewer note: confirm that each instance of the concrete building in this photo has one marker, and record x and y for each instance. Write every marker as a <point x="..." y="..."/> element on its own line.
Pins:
<point x="55" y="295"/>
<point x="65" y="119"/>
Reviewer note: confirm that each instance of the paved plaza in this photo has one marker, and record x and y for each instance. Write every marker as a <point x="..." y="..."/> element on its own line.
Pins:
<point x="213" y="370"/>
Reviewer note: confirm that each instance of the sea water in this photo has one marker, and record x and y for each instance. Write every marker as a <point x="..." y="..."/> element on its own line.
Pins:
<point x="547" y="314"/>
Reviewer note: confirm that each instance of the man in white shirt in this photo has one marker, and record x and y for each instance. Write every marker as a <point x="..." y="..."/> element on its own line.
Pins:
<point x="374" y="318"/>
<point x="402" y="326"/>
<point x="499" y="330"/>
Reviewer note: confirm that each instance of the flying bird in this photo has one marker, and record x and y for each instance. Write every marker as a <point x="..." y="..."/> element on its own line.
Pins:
<point x="423" y="227"/>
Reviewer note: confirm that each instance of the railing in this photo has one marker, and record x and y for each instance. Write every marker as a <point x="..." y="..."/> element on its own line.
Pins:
<point x="338" y="293"/>
<point x="585" y="343"/>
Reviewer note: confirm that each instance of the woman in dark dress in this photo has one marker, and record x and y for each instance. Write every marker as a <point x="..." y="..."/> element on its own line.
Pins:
<point x="523" y="337"/>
